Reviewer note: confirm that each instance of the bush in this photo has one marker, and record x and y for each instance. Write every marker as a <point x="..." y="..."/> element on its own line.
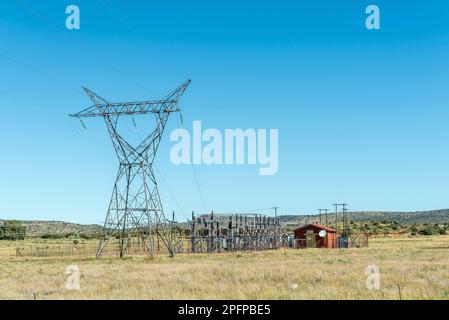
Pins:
<point x="51" y="236"/>
<point x="70" y="235"/>
<point x="349" y="231"/>
<point x="426" y="231"/>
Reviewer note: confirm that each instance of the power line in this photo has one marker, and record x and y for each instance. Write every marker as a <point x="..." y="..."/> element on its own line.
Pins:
<point x="94" y="140"/>
<point x="194" y="173"/>
<point x="199" y="187"/>
<point x="160" y="174"/>
<point x="171" y="193"/>
<point x="127" y="26"/>
<point x="114" y="161"/>
<point x="123" y="22"/>
<point x="37" y="14"/>
<point x="120" y="19"/>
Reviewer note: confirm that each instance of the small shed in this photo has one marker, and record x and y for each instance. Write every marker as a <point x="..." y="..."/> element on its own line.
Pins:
<point x="315" y="236"/>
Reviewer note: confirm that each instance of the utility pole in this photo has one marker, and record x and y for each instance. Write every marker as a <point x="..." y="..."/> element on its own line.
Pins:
<point x="278" y="227"/>
<point x="193" y="233"/>
<point x="275" y="211"/>
<point x="320" y="213"/>
<point x="336" y="216"/>
<point x="343" y="205"/>
<point x="345" y="221"/>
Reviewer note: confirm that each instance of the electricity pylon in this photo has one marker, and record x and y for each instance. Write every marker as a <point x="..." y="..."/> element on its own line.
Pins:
<point x="135" y="210"/>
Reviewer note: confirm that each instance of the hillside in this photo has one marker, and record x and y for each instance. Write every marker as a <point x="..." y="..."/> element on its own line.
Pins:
<point x="430" y="216"/>
<point x="40" y="228"/>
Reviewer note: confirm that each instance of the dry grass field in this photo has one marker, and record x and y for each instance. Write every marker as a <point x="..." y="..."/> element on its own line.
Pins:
<point x="418" y="266"/>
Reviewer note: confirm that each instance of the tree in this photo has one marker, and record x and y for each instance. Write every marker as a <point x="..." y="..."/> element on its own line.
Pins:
<point x="12" y="230"/>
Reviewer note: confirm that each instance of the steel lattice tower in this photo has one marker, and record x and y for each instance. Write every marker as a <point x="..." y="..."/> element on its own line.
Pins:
<point x="135" y="210"/>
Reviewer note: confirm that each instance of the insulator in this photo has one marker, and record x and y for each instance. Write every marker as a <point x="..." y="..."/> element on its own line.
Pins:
<point x="82" y="123"/>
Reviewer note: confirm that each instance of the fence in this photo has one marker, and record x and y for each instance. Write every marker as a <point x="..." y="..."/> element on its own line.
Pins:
<point x="353" y="241"/>
<point x="58" y="248"/>
<point x="65" y="248"/>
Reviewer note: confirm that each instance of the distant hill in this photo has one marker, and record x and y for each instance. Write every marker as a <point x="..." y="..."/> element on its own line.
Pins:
<point x="430" y="216"/>
<point x="39" y="228"/>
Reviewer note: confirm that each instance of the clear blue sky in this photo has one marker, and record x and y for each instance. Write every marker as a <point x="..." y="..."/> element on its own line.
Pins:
<point x="362" y="114"/>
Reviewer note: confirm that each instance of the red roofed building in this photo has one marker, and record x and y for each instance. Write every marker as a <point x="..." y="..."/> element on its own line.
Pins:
<point x="308" y="236"/>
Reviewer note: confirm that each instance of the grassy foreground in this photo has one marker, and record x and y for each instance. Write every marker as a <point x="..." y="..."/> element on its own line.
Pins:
<point x="411" y="268"/>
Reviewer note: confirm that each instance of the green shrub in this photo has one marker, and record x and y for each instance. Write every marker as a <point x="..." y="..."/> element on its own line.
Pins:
<point x="70" y="235"/>
<point x="51" y="236"/>
<point x="426" y="231"/>
<point x="12" y="230"/>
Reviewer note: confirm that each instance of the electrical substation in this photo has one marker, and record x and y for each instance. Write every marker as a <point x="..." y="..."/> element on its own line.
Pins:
<point x="135" y="216"/>
<point x="233" y="232"/>
<point x="135" y="221"/>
